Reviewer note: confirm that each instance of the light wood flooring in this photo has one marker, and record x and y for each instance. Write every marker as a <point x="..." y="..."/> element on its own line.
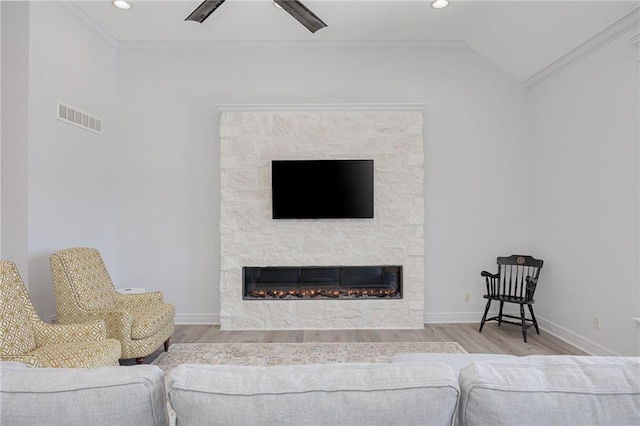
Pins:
<point x="506" y="339"/>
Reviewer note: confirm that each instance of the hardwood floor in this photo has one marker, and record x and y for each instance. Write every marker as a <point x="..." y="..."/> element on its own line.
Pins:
<point x="506" y="339"/>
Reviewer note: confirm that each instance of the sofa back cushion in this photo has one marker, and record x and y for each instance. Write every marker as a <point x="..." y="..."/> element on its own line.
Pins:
<point x="551" y="390"/>
<point x="320" y="394"/>
<point x="76" y="396"/>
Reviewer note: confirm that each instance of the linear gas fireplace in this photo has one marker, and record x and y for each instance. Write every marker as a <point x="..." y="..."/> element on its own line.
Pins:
<point x="322" y="282"/>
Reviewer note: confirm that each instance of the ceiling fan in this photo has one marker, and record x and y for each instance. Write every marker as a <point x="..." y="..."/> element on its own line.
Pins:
<point x="296" y="9"/>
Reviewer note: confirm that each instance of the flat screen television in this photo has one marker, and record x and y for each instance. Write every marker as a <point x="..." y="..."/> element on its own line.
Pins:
<point x="322" y="189"/>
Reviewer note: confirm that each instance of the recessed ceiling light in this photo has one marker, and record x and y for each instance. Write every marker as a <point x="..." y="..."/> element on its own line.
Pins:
<point x="439" y="4"/>
<point x="121" y="4"/>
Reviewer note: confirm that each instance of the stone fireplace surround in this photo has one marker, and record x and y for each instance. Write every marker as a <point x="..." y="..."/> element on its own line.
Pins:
<point x="249" y="140"/>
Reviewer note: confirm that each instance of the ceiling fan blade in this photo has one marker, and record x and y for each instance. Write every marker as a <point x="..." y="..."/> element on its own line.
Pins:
<point x="203" y="11"/>
<point x="302" y="14"/>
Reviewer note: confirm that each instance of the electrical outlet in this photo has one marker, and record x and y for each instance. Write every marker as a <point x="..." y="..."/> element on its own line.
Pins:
<point x="467" y="297"/>
<point x="596" y="322"/>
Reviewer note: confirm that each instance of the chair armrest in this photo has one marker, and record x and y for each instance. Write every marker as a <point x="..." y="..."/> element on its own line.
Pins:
<point x="530" y="287"/>
<point x="29" y="360"/>
<point x="489" y="274"/>
<point x="135" y="300"/>
<point x="50" y="334"/>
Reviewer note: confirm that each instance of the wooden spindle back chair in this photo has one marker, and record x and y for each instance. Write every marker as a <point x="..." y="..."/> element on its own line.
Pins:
<point x="515" y="282"/>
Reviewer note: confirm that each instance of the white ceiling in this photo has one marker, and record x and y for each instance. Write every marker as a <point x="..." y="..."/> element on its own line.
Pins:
<point x="520" y="36"/>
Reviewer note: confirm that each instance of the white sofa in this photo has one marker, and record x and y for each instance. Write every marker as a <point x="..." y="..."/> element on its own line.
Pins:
<point x="414" y="389"/>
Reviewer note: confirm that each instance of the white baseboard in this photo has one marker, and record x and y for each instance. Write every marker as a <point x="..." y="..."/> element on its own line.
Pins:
<point x="575" y="339"/>
<point x="452" y="317"/>
<point x="197" y="319"/>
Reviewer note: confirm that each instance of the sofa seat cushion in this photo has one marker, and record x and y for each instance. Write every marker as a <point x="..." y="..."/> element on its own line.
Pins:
<point x="78" y="396"/>
<point x="79" y="354"/>
<point x="314" y="394"/>
<point x="551" y="390"/>
<point x="455" y="361"/>
<point x="149" y="320"/>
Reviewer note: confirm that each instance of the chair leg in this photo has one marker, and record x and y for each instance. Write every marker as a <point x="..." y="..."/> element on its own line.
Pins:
<point x="140" y="360"/>
<point x="533" y="318"/>
<point x="500" y="314"/>
<point x="484" y="317"/>
<point x="166" y="343"/>
<point x="524" y="323"/>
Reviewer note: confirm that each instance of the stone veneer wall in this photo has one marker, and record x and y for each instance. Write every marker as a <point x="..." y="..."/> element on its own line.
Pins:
<point x="250" y="237"/>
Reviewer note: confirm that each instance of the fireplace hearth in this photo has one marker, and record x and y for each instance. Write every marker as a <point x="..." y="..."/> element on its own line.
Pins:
<point x="322" y="282"/>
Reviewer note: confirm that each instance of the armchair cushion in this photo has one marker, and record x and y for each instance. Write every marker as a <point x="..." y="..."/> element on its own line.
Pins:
<point x="51" y="334"/>
<point x="18" y="337"/>
<point x="87" y="274"/>
<point x="149" y="320"/>
<point x="79" y="354"/>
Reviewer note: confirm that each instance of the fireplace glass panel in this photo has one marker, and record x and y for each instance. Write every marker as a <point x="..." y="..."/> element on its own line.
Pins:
<point x="322" y="282"/>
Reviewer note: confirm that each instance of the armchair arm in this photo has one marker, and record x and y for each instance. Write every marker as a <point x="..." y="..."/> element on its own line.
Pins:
<point x="50" y="334"/>
<point x="138" y="299"/>
<point x="29" y="360"/>
<point x="118" y="322"/>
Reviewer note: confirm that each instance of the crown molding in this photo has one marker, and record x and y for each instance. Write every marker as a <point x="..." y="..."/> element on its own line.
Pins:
<point x="281" y="45"/>
<point x="72" y="9"/>
<point x="590" y="46"/>
<point x="635" y="40"/>
<point x="321" y="107"/>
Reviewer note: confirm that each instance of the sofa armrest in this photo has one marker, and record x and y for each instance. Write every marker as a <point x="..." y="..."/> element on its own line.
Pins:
<point x="50" y="334"/>
<point x="138" y="299"/>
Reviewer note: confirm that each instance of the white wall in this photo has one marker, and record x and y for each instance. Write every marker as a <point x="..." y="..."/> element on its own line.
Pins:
<point x="1" y="132"/>
<point x="167" y="159"/>
<point x="70" y="170"/>
<point x="585" y="198"/>
<point x="15" y="134"/>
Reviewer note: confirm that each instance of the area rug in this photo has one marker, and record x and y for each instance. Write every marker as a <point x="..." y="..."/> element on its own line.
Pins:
<point x="269" y="354"/>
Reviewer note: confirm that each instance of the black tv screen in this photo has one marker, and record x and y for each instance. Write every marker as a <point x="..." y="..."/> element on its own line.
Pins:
<point x="322" y="189"/>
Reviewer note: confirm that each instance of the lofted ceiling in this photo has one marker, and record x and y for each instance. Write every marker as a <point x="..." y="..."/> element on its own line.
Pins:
<point x="522" y="37"/>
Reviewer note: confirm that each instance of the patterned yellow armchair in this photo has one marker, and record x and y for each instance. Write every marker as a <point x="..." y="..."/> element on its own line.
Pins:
<point x="24" y="337"/>
<point x="84" y="292"/>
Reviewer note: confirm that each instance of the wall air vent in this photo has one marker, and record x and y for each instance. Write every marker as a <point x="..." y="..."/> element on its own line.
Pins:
<point x="81" y="119"/>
